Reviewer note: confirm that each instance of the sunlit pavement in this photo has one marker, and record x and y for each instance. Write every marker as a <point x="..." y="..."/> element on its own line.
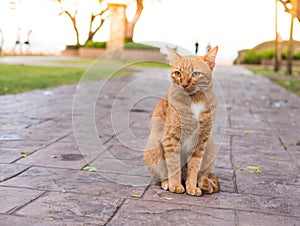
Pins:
<point x="41" y="60"/>
<point x="43" y="180"/>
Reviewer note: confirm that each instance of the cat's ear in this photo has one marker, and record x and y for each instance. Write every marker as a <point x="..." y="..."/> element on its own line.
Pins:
<point x="172" y="54"/>
<point x="210" y="57"/>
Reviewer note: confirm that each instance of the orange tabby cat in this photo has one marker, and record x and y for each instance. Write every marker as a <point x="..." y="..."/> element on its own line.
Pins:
<point x="180" y="145"/>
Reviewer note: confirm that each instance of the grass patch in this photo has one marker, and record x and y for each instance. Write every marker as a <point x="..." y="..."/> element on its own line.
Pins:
<point x="21" y="78"/>
<point x="151" y="64"/>
<point x="291" y="83"/>
<point x="73" y="61"/>
<point x="139" y="46"/>
<point x="104" y="63"/>
<point x="270" y="72"/>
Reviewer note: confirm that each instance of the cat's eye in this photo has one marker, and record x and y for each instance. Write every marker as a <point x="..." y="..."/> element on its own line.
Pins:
<point x="196" y="74"/>
<point x="177" y="73"/>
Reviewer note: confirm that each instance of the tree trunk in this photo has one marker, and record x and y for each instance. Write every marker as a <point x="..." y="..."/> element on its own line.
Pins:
<point x="102" y="20"/>
<point x="73" y="19"/>
<point x="77" y="34"/>
<point x="289" y="60"/>
<point x="130" y="25"/>
<point x="92" y="33"/>
<point x="1" y="41"/>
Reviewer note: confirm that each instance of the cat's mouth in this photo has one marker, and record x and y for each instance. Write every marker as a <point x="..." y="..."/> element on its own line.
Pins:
<point x="191" y="90"/>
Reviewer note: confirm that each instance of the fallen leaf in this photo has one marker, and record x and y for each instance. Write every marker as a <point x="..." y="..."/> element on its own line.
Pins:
<point x="48" y="218"/>
<point x="90" y="169"/>
<point x="24" y="154"/>
<point x="254" y="169"/>
<point x="167" y="198"/>
<point x="246" y="132"/>
<point x="258" y="170"/>
<point x="237" y="167"/>
<point x="135" y="196"/>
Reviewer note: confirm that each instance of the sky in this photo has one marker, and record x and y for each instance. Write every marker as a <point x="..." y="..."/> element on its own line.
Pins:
<point x="232" y="24"/>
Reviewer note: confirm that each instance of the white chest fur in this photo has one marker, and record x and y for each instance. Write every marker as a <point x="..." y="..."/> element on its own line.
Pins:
<point x="198" y="108"/>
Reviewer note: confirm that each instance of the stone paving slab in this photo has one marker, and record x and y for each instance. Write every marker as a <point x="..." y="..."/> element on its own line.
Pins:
<point x="72" y="181"/>
<point x="9" y="171"/>
<point x="8" y="220"/>
<point x="139" y="212"/>
<point x="61" y="155"/>
<point x="257" y="126"/>
<point x="13" y="198"/>
<point x="226" y="200"/>
<point x="69" y="208"/>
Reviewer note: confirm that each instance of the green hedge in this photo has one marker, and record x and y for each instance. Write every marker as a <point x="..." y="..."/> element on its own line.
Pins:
<point x="72" y="47"/>
<point x="91" y="44"/>
<point x="128" y="45"/>
<point x="255" y="57"/>
<point x="251" y="57"/>
<point x="135" y="45"/>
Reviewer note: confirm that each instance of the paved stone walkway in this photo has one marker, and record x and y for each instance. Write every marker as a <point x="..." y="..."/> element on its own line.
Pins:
<point x="42" y="180"/>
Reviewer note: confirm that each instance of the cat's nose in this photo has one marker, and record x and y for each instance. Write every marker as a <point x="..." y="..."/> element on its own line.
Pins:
<point x="184" y="85"/>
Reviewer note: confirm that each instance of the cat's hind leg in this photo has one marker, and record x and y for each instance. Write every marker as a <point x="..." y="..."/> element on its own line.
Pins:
<point x="207" y="181"/>
<point x="209" y="184"/>
<point x="156" y="164"/>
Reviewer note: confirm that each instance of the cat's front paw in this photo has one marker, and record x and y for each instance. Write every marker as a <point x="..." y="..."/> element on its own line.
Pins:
<point x="165" y="185"/>
<point x="193" y="191"/>
<point x="177" y="188"/>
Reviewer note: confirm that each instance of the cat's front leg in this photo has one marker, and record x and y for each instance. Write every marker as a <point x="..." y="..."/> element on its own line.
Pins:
<point x="172" y="155"/>
<point x="194" y="164"/>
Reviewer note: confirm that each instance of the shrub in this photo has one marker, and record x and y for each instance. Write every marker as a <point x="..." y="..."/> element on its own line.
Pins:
<point x="267" y="54"/>
<point x="254" y="57"/>
<point x="283" y="55"/>
<point x="72" y="46"/>
<point x="135" y="45"/>
<point x="92" y="44"/>
<point x="296" y="56"/>
<point x="251" y="57"/>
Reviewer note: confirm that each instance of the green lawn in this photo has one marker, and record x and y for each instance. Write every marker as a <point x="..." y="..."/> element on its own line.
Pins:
<point x="151" y="64"/>
<point x="114" y="63"/>
<point x="268" y="71"/>
<point x="291" y="83"/>
<point x="21" y="78"/>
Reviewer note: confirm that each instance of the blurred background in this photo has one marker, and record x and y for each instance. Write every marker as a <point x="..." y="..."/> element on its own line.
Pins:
<point x="234" y="25"/>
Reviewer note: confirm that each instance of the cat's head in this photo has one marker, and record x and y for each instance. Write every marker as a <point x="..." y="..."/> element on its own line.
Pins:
<point x="192" y="73"/>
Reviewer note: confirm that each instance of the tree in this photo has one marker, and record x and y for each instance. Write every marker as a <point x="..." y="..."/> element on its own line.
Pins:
<point x="97" y="28"/>
<point x="1" y="41"/>
<point x="292" y="7"/>
<point x="94" y="26"/>
<point x="130" y="25"/>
